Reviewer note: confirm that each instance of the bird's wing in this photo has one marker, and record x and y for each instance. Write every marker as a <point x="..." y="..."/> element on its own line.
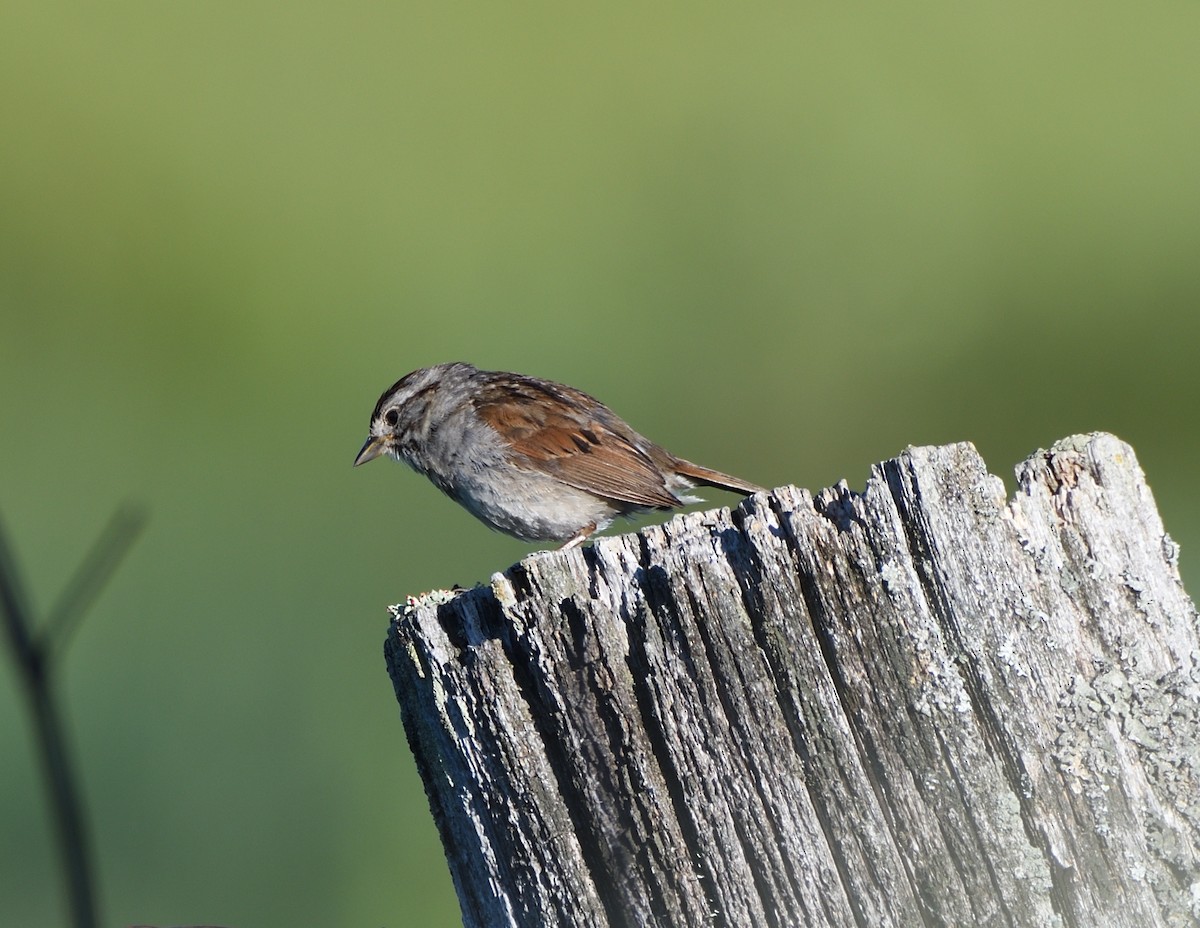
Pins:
<point x="568" y="434"/>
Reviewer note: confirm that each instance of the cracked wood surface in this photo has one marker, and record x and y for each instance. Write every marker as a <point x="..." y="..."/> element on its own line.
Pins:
<point x="920" y="705"/>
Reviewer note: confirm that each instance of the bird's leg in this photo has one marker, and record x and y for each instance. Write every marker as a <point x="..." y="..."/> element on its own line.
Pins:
<point x="579" y="537"/>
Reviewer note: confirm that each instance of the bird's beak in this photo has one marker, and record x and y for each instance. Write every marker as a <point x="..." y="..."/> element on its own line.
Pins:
<point x="372" y="449"/>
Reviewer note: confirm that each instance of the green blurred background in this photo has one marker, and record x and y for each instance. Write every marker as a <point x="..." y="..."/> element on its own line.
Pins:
<point x="784" y="240"/>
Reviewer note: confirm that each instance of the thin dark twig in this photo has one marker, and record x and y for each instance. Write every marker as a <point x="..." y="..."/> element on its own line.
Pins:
<point x="34" y="654"/>
<point x="67" y="804"/>
<point x="17" y="613"/>
<point x="90" y="578"/>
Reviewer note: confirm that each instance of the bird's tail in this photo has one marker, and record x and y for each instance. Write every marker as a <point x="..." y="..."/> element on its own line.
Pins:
<point x="714" y="478"/>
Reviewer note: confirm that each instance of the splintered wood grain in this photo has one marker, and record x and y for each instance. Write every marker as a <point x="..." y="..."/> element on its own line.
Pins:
<point x="923" y="704"/>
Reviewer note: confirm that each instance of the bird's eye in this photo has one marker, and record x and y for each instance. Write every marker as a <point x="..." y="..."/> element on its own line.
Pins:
<point x="391" y="417"/>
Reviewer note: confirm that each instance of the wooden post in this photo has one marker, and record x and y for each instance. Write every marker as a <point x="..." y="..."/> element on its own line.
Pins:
<point x="923" y="704"/>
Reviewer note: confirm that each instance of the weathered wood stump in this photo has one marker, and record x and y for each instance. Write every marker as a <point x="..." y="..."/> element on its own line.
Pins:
<point x="920" y="705"/>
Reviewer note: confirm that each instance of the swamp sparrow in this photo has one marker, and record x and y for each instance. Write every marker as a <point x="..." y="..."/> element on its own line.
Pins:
<point x="536" y="459"/>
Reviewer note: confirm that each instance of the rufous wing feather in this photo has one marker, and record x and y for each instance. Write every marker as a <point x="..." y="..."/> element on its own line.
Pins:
<point x="569" y="434"/>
